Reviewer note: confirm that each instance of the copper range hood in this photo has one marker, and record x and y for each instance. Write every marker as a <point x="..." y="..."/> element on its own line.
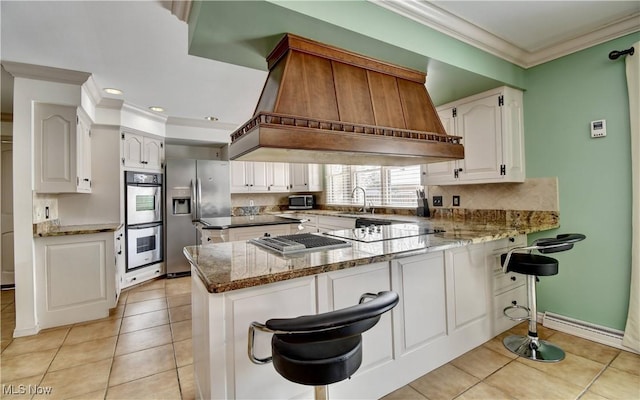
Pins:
<point x="325" y="105"/>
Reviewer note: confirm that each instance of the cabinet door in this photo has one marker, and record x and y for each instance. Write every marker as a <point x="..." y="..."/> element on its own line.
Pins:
<point x="83" y="152"/>
<point x="75" y="277"/>
<point x="480" y="124"/>
<point x="299" y="177"/>
<point x="236" y="234"/>
<point x="239" y="175"/>
<point x="259" y="181"/>
<point x="153" y="153"/>
<point x="467" y="285"/>
<point x="342" y="289"/>
<point x="442" y="172"/>
<point x="55" y="148"/>
<point x="132" y="150"/>
<point x="278" y="175"/>
<point x="316" y="177"/>
<point x="120" y="263"/>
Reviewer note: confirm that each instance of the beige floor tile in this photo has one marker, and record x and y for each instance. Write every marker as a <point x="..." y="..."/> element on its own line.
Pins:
<point x="6" y="329"/>
<point x="20" y="388"/>
<point x="588" y="395"/>
<point x="575" y="369"/>
<point x="117" y="312"/>
<point x="78" y="380"/>
<point x="97" y="395"/>
<point x="181" y="330"/>
<point x="145" y="306"/>
<point x="584" y="348"/>
<point x="627" y="362"/>
<point x="42" y="341"/>
<point x="143" y="295"/>
<point x="122" y="299"/>
<point x="141" y="364"/>
<point x="617" y="384"/>
<point x="496" y="345"/>
<point x="482" y="391"/>
<point x="445" y="382"/>
<point x="144" y="321"/>
<point x="187" y="385"/>
<point x="160" y="386"/>
<point x="513" y="380"/>
<point x="178" y="286"/>
<point x="405" y="393"/>
<point x="71" y="355"/>
<point x="180" y="300"/>
<point x="143" y="339"/>
<point x="4" y="343"/>
<point x="481" y="362"/>
<point x="180" y="313"/>
<point x="92" y="331"/>
<point x="7" y="297"/>
<point x="184" y="352"/>
<point x="151" y="285"/>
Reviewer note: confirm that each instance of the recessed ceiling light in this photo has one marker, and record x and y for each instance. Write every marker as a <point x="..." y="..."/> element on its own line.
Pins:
<point x="156" y="108"/>
<point x="210" y="118"/>
<point x="113" y="91"/>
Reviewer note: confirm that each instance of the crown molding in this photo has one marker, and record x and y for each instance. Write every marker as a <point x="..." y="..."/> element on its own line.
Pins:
<point x="202" y="123"/>
<point x="442" y="21"/>
<point x="133" y="110"/>
<point x="91" y="87"/>
<point x="43" y="73"/>
<point x="181" y="9"/>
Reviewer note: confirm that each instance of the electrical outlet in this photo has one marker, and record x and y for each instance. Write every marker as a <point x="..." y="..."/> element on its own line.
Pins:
<point x="250" y="203"/>
<point x="437" y="201"/>
<point x="456" y="201"/>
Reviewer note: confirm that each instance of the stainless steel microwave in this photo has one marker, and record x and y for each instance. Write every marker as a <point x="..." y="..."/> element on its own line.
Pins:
<point x="301" y="202"/>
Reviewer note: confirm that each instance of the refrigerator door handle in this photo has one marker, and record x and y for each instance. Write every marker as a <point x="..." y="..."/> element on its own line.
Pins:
<point x="194" y="213"/>
<point x="199" y="194"/>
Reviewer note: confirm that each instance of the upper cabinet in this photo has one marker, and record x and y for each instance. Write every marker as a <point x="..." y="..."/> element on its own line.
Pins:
<point x="274" y="177"/>
<point x="62" y="142"/>
<point x="492" y="128"/>
<point x="142" y="152"/>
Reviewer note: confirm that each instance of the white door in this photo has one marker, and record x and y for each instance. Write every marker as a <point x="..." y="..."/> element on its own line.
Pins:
<point x="6" y="204"/>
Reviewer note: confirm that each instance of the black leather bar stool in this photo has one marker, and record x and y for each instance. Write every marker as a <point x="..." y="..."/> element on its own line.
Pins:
<point x="325" y="348"/>
<point x="534" y="265"/>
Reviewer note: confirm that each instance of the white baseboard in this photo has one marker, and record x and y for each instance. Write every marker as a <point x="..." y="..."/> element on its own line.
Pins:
<point x="585" y="330"/>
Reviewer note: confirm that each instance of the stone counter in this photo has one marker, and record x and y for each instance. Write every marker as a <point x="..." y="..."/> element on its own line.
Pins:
<point x="235" y="265"/>
<point x="53" y="228"/>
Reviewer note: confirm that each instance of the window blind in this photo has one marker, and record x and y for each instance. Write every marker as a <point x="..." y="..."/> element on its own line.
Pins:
<point x="385" y="186"/>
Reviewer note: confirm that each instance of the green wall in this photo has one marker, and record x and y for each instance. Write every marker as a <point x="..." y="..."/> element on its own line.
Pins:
<point x="594" y="175"/>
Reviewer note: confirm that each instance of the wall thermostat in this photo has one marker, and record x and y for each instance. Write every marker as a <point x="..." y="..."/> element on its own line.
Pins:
<point x="598" y="128"/>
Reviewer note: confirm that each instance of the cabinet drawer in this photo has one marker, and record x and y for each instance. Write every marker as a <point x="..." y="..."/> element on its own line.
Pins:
<point x="500" y="302"/>
<point x="503" y="282"/>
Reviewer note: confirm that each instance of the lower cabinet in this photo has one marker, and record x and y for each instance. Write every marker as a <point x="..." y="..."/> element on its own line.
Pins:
<point x="448" y="304"/>
<point x="120" y="263"/>
<point x="75" y="278"/>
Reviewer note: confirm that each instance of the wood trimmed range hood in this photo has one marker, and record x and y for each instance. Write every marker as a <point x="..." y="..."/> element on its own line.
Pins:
<point x="325" y="105"/>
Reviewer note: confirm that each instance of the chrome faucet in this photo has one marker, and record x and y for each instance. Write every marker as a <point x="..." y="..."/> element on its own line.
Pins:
<point x="364" y="194"/>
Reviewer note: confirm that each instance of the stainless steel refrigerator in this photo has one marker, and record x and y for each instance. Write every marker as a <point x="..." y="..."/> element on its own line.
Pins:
<point x="194" y="189"/>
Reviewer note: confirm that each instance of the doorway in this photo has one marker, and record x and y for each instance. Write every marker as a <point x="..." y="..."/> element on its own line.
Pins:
<point x="6" y="208"/>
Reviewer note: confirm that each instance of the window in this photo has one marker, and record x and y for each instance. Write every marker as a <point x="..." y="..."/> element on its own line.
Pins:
<point x="385" y="186"/>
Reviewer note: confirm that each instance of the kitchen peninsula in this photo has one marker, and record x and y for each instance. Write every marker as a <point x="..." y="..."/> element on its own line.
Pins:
<point x="450" y="284"/>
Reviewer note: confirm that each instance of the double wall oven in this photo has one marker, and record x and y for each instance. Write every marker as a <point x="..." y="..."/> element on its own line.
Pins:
<point x="143" y="216"/>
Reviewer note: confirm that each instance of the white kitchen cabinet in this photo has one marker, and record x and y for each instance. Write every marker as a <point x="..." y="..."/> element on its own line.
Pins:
<point x="277" y="177"/>
<point x="506" y="289"/>
<point x="491" y="125"/>
<point x="342" y="289"/>
<point x="467" y="286"/>
<point x="120" y="263"/>
<point x="249" y="176"/>
<point x="305" y="178"/>
<point x="141" y="151"/>
<point x="62" y="144"/>
<point x="74" y="278"/>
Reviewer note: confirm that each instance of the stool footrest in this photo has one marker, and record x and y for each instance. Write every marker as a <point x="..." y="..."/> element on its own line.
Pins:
<point x="519" y="307"/>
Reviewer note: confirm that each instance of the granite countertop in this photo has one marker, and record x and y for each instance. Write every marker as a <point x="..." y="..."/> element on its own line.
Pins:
<point x="54" y="228"/>
<point x="235" y="265"/>
<point x="245" y="221"/>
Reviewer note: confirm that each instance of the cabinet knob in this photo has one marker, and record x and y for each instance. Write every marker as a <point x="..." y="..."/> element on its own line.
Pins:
<point x="120" y="252"/>
<point x="515" y="303"/>
<point x="208" y="239"/>
<point x="513" y="278"/>
<point x="512" y="239"/>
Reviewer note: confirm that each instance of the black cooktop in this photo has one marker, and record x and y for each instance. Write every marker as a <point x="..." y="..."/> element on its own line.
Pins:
<point x="377" y="233"/>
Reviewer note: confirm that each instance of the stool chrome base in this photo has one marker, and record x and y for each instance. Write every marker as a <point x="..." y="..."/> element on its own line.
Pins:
<point x="532" y="348"/>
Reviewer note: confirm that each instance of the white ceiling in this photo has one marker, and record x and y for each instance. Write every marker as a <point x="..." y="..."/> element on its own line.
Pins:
<point x="141" y="48"/>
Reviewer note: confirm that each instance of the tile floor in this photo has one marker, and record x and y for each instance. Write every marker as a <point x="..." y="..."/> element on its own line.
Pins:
<point x="143" y="351"/>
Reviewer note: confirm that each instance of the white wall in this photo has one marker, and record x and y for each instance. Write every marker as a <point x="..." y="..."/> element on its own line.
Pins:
<point x="26" y="92"/>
